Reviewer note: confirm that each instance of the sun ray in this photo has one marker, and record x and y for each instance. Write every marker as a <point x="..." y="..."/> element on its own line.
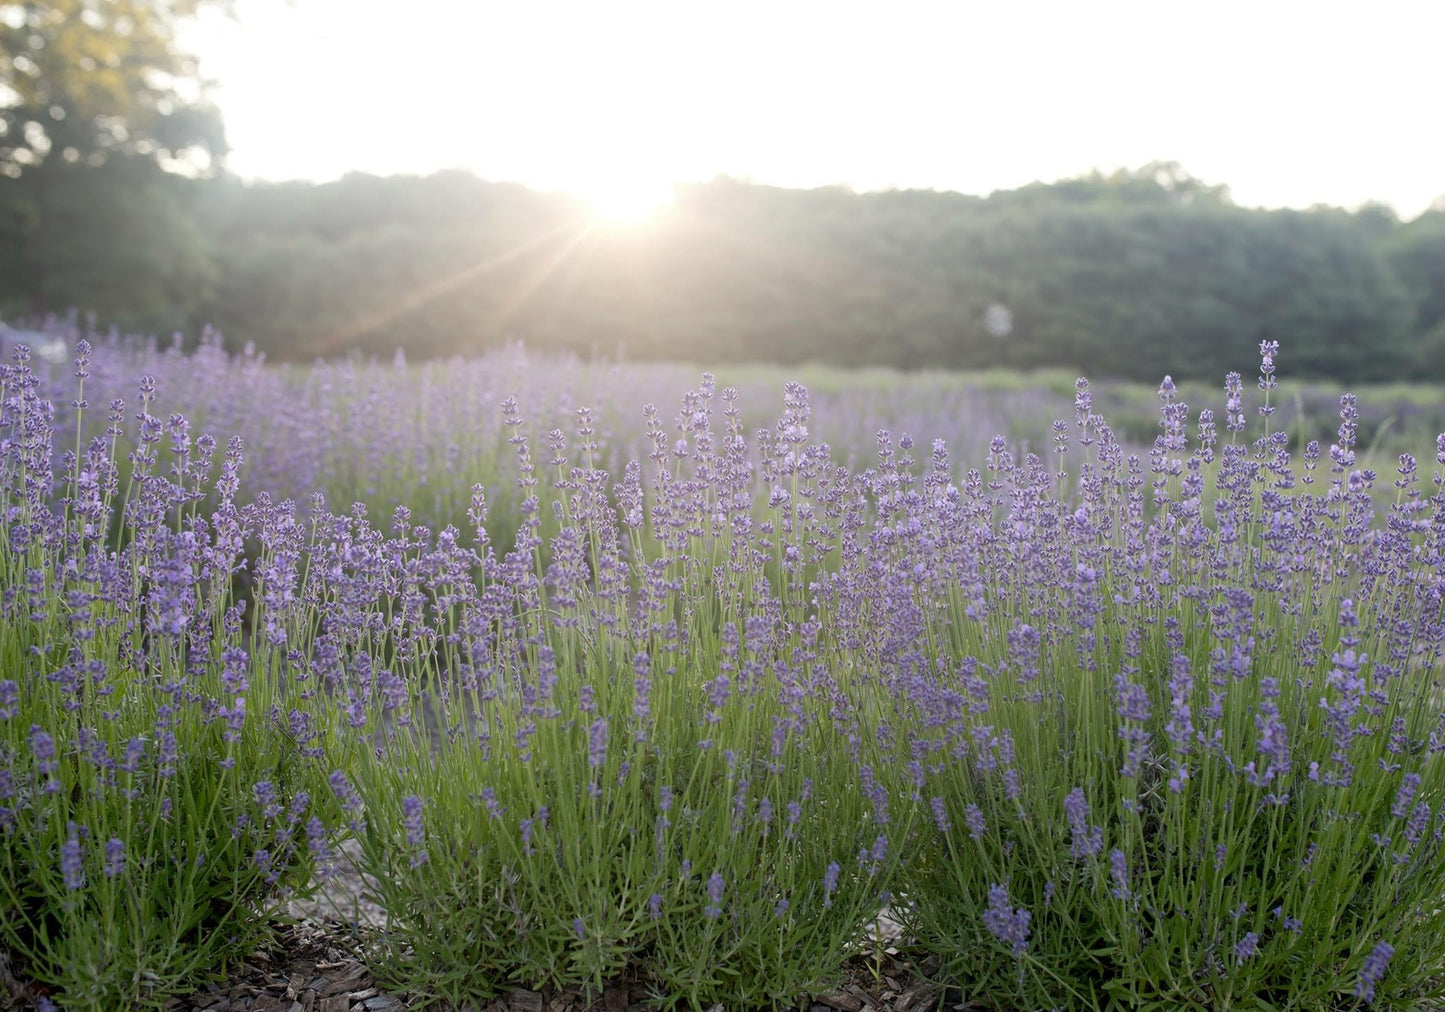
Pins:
<point x="342" y="336"/>
<point x="539" y="277"/>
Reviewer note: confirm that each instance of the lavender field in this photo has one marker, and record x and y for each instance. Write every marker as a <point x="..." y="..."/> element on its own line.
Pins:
<point x="612" y="669"/>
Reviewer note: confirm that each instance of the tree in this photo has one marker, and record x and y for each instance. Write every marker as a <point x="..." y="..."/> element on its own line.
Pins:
<point x="82" y="81"/>
<point x="1416" y="253"/>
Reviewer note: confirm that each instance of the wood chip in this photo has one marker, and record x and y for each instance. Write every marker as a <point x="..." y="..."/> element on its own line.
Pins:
<point x="842" y="1002"/>
<point x="343" y="981"/>
<point x="384" y="1003"/>
<point x="521" y="1000"/>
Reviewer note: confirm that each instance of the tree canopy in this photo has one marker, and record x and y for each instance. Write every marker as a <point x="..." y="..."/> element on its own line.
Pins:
<point x="1131" y="274"/>
<point x="82" y="81"/>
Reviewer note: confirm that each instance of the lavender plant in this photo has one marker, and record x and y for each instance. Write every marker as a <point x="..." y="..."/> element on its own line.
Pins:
<point x="1107" y="729"/>
<point x="155" y="775"/>
<point x="1191" y="761"/>
<point x="639" y="754"/>
<point x="421" y="434"/>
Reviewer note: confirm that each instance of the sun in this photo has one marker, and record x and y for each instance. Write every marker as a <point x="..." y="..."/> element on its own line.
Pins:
<point x="627" y="202"/>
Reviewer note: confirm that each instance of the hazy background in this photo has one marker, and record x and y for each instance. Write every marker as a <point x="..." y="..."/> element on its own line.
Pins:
<point x="1117" y="188"/>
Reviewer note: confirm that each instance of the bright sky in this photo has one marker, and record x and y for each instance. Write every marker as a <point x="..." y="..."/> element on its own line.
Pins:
<point x="1287" y="103"/>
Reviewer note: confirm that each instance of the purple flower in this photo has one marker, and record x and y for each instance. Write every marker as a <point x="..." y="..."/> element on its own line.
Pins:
<point x="1373" y="970"/>
<point x="235" y="718"/>
<point x="940" y="815"/>
<point x="1417" y="825"/>
<point x="830" y="883"/>
<point x="114" y="857"/>
<point x="642" y="687"/>
<point x="169" y="753"/>
<point x="714" y="896"/>
<point x="320" y="849"/>
<point x="1293" y="924"/>
<point x="1246" y="947"/>
<point x="350" y="800"/>
<point x="1405" y="796"/>
<point x="42" y="746"/>
<point x="597" y="743"/>
<point x="415" y="833"/>
<point x="1119" y="871"/>
<point x="234" y="668"/>
<point x="1010" y="926"/>
<point x="1088" y="840"/>
<point x="72" y="869"/>
<point x="974" y="820"/>
<point x="876" y="793"/>
<point x="265" y="793"/>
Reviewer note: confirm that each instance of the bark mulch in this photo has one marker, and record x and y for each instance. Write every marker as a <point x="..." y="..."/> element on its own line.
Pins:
<point x="316" y="966"/>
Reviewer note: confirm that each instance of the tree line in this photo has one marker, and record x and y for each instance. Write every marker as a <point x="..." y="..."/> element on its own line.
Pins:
<point x="1132" y="274"/>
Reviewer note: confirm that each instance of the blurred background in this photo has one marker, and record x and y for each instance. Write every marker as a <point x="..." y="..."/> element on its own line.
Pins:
<point x="1118" y="189"/>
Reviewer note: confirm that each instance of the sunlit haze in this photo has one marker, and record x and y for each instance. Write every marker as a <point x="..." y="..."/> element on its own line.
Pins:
<point x="1289" y="104"/>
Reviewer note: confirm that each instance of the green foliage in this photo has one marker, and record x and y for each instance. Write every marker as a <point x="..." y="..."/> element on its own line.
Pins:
<point x="86" y="80"/>
<point x="1176" y="720"/>
<point x="1298" y="863"/>
<point x="1110" y="276"/>
<point x="122" y="238"/>
<point x="139" y="852"/>
<point x="1416" y="255"/>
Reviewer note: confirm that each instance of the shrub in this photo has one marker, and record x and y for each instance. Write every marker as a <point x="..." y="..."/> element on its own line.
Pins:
<point x="1188" y="762"/>
<point x="154" y="788"/>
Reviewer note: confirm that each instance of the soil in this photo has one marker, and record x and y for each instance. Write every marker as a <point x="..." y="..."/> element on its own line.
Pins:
<point x="317" y="965"/>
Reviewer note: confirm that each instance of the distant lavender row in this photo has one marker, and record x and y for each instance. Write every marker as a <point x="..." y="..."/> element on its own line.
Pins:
<point x="386" y="434"/>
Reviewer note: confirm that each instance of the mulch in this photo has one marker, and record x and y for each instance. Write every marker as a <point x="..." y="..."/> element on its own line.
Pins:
<point x="317" y="966"/>
<point x="317" y="963"/>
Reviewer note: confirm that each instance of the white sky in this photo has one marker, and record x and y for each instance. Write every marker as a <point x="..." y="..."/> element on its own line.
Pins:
<point x="1287" y="103"/>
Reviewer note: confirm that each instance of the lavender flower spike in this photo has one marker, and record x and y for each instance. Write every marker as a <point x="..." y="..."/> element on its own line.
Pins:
<point x="1373" y="970"/>
<point x="1010" y="926"/>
